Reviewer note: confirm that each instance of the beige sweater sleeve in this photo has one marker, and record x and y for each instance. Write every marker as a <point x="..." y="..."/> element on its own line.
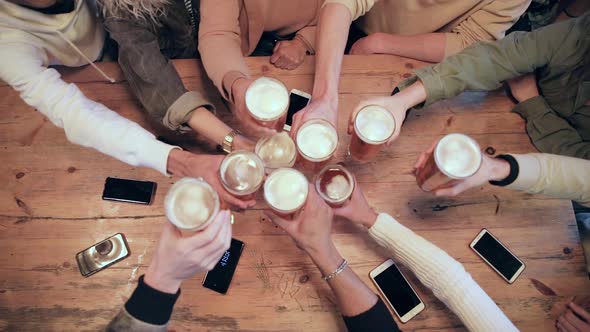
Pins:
<point x="553" y="175"/>
<point x="357" y="8"/>
<point x="487" y="24"/>
<point x="220" y="43"/>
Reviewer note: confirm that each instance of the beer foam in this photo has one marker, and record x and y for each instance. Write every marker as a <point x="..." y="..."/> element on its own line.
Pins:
<point x="277" y="151"/>
<point x="338" y="187"/>
<point x="190" y="203"/>
<point x="242" y="172"/>
<point x="317" y="140"/>
<point x="458" y="155"/>
<point x="374" y="124"/>
<point x="267" y="98"/>
<point x="286" y="189"/>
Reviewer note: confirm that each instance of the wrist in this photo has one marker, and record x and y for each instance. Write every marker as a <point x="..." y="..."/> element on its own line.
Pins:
<point x="326" y="258"/>
<point x="159" y="281"/>
<point x="243" y="143"/>
<point x="500" y="169"/>
<point x="178" y="161"/>
<point x="369" y="218"/>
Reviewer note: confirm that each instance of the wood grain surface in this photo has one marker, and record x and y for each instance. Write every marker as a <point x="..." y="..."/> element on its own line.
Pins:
<point x="51" y="208"/>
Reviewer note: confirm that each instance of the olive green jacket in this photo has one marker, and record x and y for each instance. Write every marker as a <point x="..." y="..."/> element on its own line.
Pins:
<point x="558" y="121"/>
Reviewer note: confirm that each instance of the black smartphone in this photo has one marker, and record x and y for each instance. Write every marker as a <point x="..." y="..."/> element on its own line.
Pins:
<point x="131" y="191"/>
<point x="297" y="101"/>
<point x="220" y="277"/>
<point x="396" y="289"/>
<point x="498" y="257"/>
<point x="102" y="255"/>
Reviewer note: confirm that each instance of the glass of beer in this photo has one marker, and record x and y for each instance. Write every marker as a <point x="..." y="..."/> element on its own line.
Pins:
<point x="267" y="100"/>
<point x="334" y="184"/>
<point x="191" y="204"/>
<point x="276" y="151"/>
<point x="373" y="127"/>
<point x="316" y="141"/>
<point x="285" y="191"/>
<point x="242" y="173"/>
<point x="455" y="157"/>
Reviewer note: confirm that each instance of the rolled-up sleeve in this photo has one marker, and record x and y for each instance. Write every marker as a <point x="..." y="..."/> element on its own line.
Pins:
<point x="487" y="24"/>
<point x="357" y="8"/>
<point x="151" y="77"/>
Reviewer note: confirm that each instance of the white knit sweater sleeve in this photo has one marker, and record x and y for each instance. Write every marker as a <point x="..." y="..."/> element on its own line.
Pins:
<point x="85" y="122"/>
<point x="445" y="276"/>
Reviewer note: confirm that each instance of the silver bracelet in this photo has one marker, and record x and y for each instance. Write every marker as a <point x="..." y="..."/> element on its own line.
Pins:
<point x="340" y="268"/>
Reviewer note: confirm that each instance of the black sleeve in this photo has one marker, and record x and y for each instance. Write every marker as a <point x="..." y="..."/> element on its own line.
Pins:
<point x="376" y="319"/>
<point x="150" y="305"/>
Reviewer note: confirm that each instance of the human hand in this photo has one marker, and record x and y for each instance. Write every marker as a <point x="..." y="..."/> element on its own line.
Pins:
<point x="395" y="105"/>
<point x="207" y="167"/>
<point x="573" y="319"/>
<point x="315" y="110"/>
<point x="179" y="257"/>
<point x="249" y="124"/>
<point x="311" y="228"/>
<point x="523" y="87"/>
<point x="288" y="54"/>
<point x="242" y="142"/>
<point x="367" y="45"/>
<point x="492" y="169"/>
<point x="357" y="209"/>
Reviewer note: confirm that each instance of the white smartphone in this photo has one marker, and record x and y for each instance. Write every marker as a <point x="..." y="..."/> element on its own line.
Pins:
<point x="297" y="101"/>
<point x="493" y="252"/>
<point x="397" y="291"/>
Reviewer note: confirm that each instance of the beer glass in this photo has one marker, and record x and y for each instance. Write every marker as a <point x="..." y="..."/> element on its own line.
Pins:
<point x="191" y="204"/>
<point x="242" y="173"/>
<point x="373" y="127"/>
<point x="316" y="142"/>
<point x="267" y="101"/>
<point x="285" y="191"/>
<point x="335" y="184"/>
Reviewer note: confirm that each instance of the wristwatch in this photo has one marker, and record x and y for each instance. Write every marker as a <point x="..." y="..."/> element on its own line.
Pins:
<point x="228" y="141"/>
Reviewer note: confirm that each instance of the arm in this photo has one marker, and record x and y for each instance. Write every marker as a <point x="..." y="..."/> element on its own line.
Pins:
<point x="486" y="65"/>
<point x="446" y="277"/>
<point x="220" y="44"/>
<point x="155" y="82"/>
<point x="489" y="23"/>
<point x="84" y="121"/>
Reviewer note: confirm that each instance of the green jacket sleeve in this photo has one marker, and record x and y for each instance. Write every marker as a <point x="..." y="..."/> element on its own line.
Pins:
<point x="486" y="65"/>
<point x="549" y="132"/>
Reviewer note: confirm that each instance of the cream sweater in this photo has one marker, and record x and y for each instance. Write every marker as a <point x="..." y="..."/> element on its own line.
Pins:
<point x="30" y="42"/>
<point x="463" y="21"/>
<point x="446" y="277"/>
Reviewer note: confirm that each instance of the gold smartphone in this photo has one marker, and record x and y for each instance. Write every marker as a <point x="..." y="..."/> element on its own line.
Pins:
<point x="102" y="255"/>
<point x="397" y="291"/>
<point x="498" y="257"/>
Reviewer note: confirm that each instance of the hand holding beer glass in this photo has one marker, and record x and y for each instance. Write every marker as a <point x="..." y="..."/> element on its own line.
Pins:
<point x="316" y="141"/>
<point x="285" y="191"/>
<point x="335" y="184"/>
<point x="242" y="173"/>
<point x="492" y="169"/>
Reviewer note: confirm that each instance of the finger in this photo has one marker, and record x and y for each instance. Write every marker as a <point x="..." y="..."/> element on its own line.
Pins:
<point x="351" y="120"/>
<point x="566" y="324"/>
<point x="222" y="244"/>
<point x="579" y="311"/>
<point x="209" y="234"/>
<point x="276" y="54"/>
<point x="575" y="320"/>
<point x="281" y="63"/>
<point x="560" y="327"/>
<point x="232" y="200"/>
<point x="393" y="138"/>
<point x="279" y="221"/>
<point x="451" y="191"/>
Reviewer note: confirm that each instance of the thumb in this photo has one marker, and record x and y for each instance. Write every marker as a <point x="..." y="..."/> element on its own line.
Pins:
<point x="279" y="221"/>
<point x="275" y="54"/>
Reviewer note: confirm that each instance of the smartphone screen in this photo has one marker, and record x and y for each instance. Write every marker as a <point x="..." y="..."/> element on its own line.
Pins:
<point x="131" y="191"/>
<point x="402" y="297"/>
<point x="220" y="277"/>
<point x="500" y="258"/>
<point x="296" y="103"/>
<point x="102" y="255"/>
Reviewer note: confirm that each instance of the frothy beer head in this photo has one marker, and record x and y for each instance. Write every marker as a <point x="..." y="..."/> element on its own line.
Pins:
<point x="285" y="190"/>
<point x="191" y="204"/>
<point x="267" y="99"/>
<point x="458" y="156"/>
<point x="241" y="172"/>
<point x="335" y="184"/>
<point x="317" y="140"/>
<point x="277" y="151"/>
<point x="374" y="124"/>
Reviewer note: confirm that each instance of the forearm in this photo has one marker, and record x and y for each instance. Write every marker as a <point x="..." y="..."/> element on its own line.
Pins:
<point x="425" y="47"/>
<point x="411" y="96"/>
<point x="352" y="295"/>
<point x="332" y="34"/>
<point x="445" y="276"/>
<point x="208" y="125"/>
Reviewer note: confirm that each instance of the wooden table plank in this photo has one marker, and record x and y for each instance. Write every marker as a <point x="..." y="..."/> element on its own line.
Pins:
<point x="50" y="208"/>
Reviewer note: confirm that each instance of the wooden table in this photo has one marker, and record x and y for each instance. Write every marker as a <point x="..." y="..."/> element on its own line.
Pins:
<point x="51" y="207"/>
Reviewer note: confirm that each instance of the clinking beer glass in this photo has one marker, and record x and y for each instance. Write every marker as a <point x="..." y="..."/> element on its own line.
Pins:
<point x="285" y="191"/>
<point x="316" y="141"/>
<point x="191" y="204"/>
<point x="267" y="101"/>
<point x="335" y="184"/>
<point x="455" y="157"/>
<point x="373" y="127"/>
<point x="242" y="173"/>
